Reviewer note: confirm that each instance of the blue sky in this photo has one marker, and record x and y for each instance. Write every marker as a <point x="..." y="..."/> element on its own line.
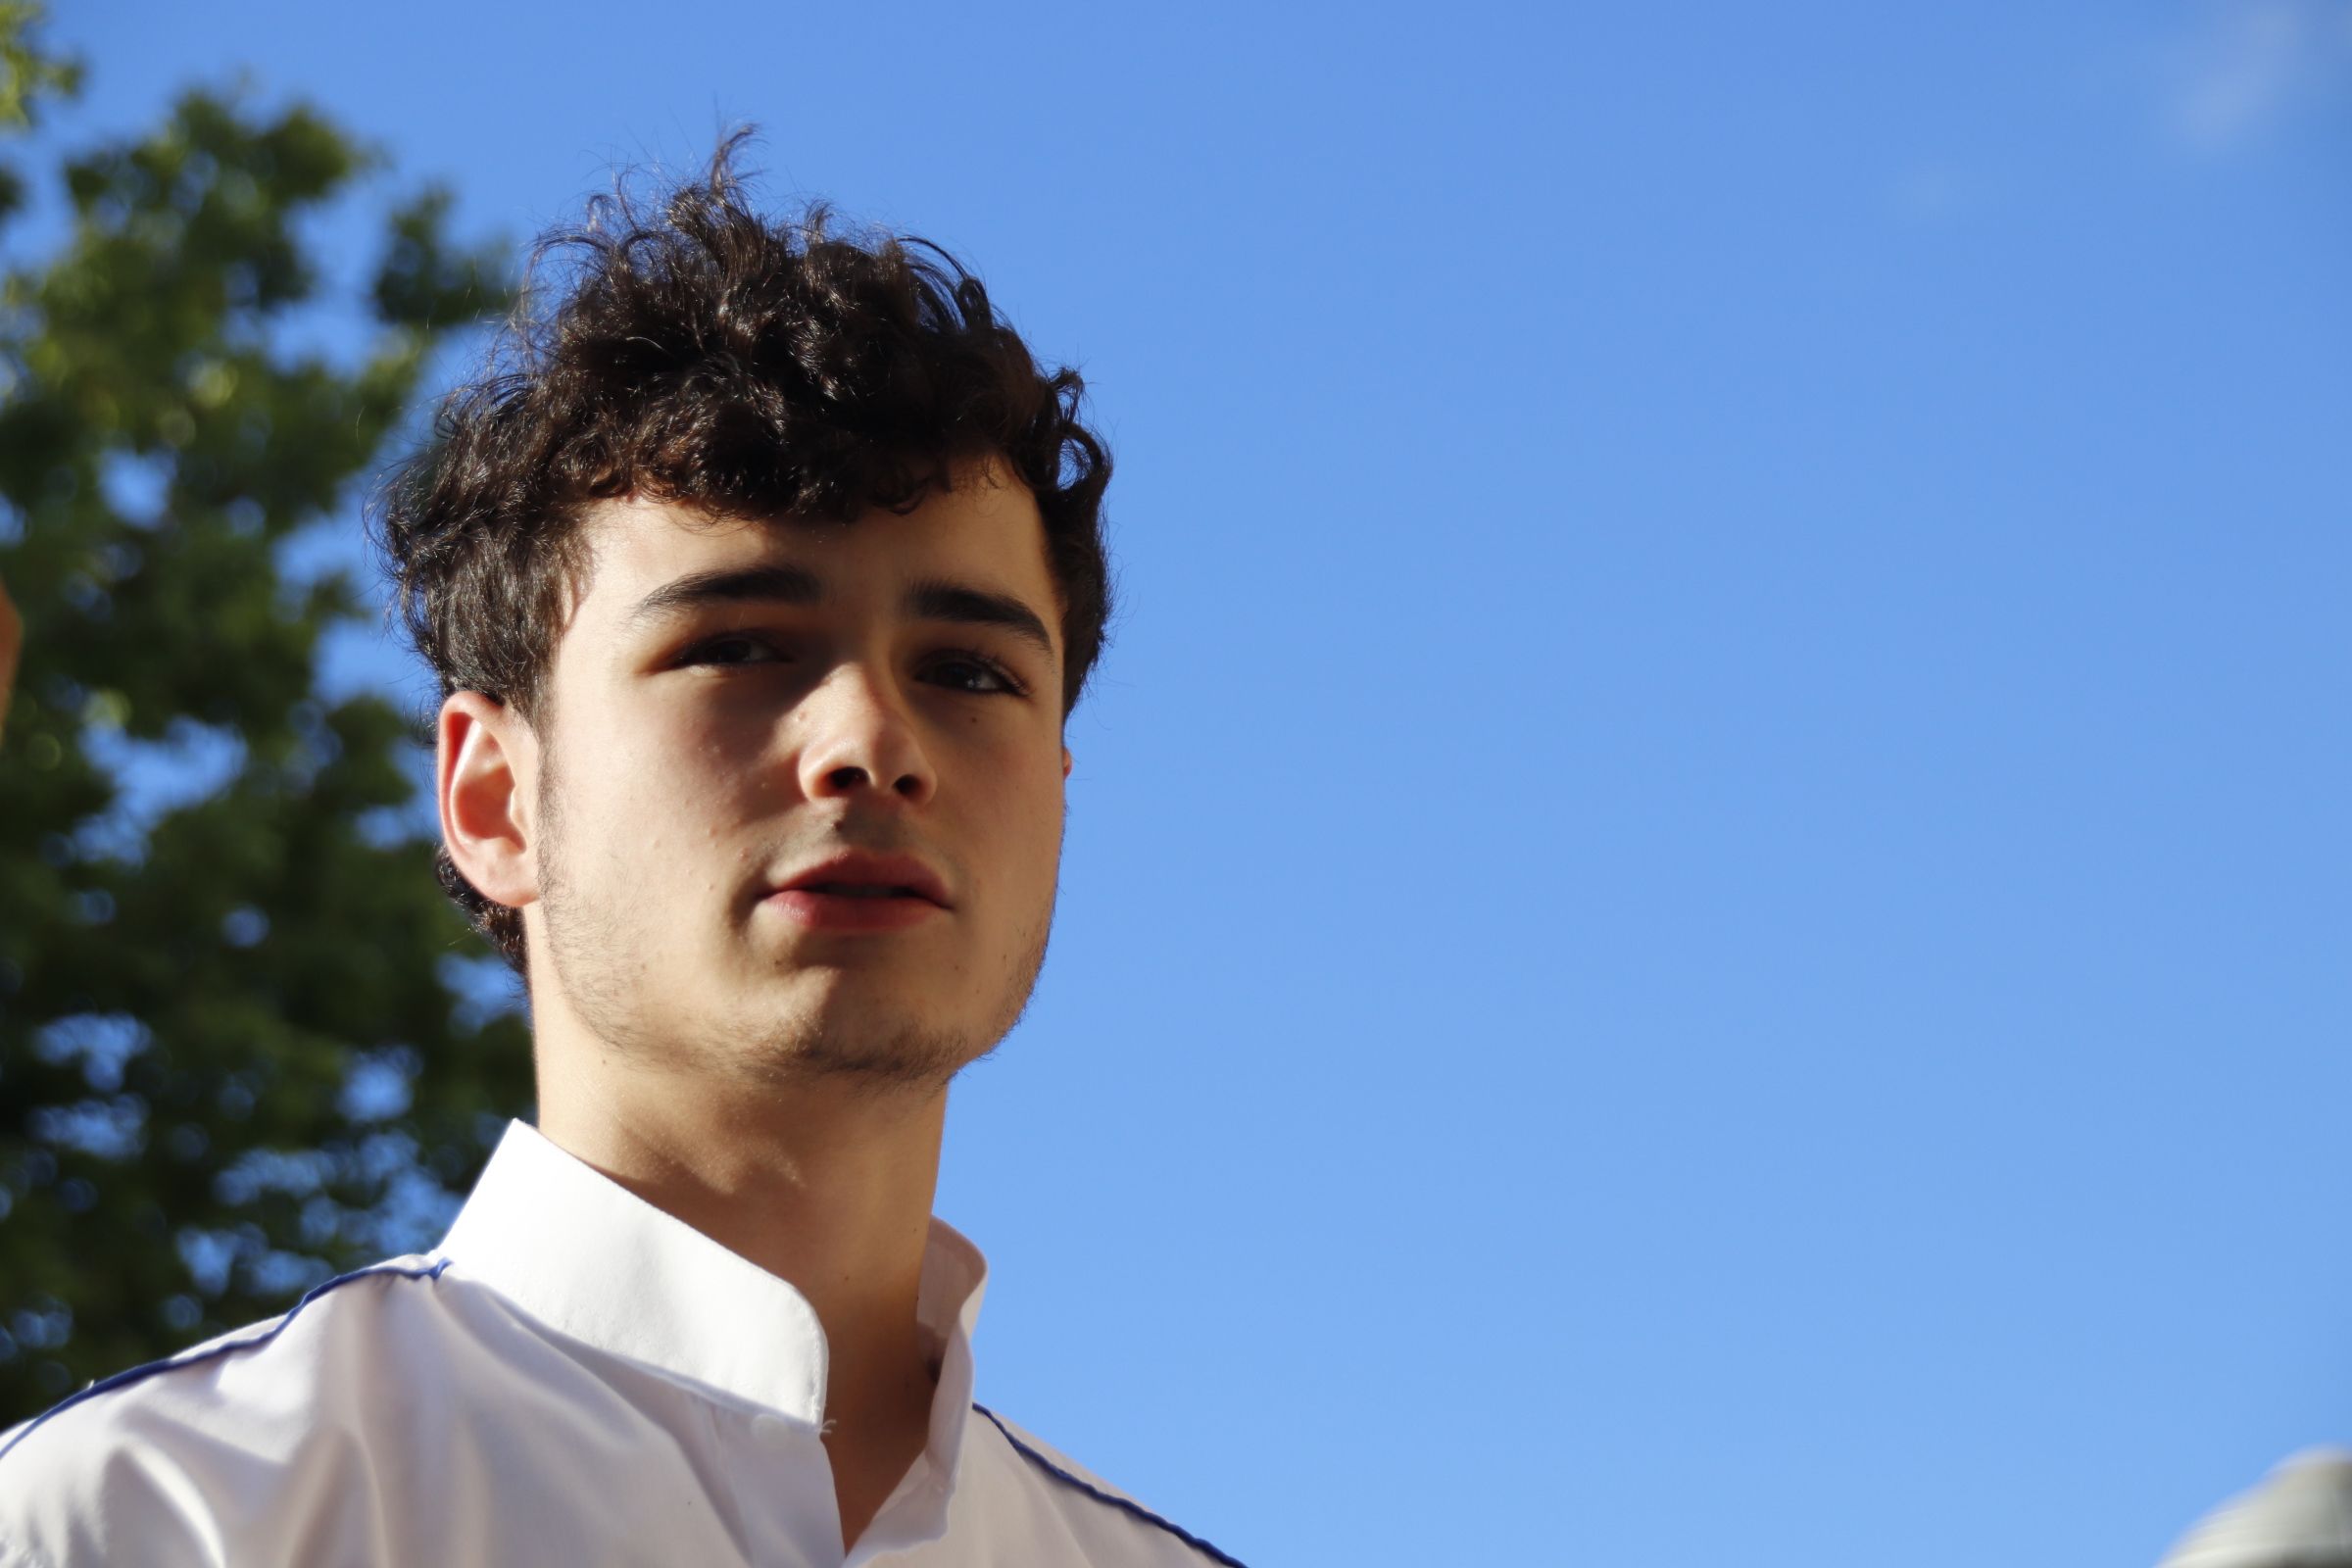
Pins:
<point x="1706" y="904"/>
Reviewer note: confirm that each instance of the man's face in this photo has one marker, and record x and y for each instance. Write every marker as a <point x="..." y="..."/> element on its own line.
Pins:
<point x="736" y="704"/>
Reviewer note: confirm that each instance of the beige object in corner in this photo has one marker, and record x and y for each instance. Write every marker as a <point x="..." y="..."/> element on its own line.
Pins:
<point x="2299" y="1517"/>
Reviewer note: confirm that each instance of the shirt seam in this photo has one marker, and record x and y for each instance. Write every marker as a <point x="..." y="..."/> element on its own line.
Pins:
<point x="1126" y="1505"/>
<point x="197" y="1358"/>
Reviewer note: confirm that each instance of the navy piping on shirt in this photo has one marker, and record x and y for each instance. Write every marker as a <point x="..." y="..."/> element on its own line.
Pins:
<point x="1100" y="1495"/>
<point x="139" y="1373"/>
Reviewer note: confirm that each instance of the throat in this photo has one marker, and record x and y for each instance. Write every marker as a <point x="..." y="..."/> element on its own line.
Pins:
<point x="873" y="1451"/>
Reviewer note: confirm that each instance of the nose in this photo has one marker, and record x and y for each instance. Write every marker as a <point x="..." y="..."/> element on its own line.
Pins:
<point x="856" y="736"/>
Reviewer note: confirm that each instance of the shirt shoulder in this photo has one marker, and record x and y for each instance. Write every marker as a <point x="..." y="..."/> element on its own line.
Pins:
<point x="1111" y="1523"/>
<point x="191" y="1455"/>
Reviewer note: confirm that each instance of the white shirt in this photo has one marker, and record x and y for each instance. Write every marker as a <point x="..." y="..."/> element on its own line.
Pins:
<point x="571" y="1378"/>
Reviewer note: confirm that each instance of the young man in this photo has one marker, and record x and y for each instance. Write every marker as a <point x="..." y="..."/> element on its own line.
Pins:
<point x="759" y="584"/>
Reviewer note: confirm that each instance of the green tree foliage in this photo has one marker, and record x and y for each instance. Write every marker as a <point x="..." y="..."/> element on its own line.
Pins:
<point x="233" y="1058"/>
<point x="28" y="72"/>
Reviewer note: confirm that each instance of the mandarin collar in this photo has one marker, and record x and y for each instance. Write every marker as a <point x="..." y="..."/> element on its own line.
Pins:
<point x="595" y="1262"/>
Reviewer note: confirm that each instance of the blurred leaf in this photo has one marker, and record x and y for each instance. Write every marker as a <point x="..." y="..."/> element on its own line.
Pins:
<point x="232" y="1060"/>
<point x="28" y="74"/>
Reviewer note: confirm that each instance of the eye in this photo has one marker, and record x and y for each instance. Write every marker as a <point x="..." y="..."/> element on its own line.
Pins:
<point x="736" y="648"/>
<point x="968" y="672"/>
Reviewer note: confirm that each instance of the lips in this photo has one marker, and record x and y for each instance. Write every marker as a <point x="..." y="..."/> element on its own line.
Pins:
<point x="874" y="878"/>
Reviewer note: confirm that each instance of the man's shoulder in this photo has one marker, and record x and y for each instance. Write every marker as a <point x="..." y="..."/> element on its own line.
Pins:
<point x="349" y="1307"/>
<point x="148" y="1443"/>
<point x="1095" y="1505"/>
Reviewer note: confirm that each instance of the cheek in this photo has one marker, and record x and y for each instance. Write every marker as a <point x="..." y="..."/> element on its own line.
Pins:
<point x="653" y="793"/>
<point x="683" y="764"/>
<point x="1030" y="817"/>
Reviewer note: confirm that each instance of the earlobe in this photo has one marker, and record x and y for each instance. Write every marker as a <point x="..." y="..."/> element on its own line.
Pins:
<point x="483" y="758"/>
<point x="1066" y="761"/>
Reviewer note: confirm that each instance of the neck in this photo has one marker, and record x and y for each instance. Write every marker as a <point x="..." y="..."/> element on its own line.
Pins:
<point x="826" y="1185"/>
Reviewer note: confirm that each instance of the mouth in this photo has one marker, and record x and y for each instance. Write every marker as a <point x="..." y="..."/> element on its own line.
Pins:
<point x="851" y="908"/>
<point x="862" y="893"/>
<point x="854" y="890"/>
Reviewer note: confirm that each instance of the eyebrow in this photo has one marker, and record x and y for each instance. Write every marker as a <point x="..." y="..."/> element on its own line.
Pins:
<point x="940" y="599"/>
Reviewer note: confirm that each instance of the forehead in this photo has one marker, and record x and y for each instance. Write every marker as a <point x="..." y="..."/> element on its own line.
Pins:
<point x="987" y="531"/>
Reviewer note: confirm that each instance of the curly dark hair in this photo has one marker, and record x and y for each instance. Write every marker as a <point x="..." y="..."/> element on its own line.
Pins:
<point x="748" y="366"/>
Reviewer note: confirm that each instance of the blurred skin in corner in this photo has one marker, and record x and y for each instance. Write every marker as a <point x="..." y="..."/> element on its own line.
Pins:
<point x="12" y="638"/>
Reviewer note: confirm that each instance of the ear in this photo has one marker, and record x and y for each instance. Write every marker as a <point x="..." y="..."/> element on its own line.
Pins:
<point x="485" y="760"/>
<point x="1066" y="761"/>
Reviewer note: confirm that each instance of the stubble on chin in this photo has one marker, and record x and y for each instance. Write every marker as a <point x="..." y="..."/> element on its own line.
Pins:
<point x="897" y="1056"/>
<point x="601" y="961"/>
